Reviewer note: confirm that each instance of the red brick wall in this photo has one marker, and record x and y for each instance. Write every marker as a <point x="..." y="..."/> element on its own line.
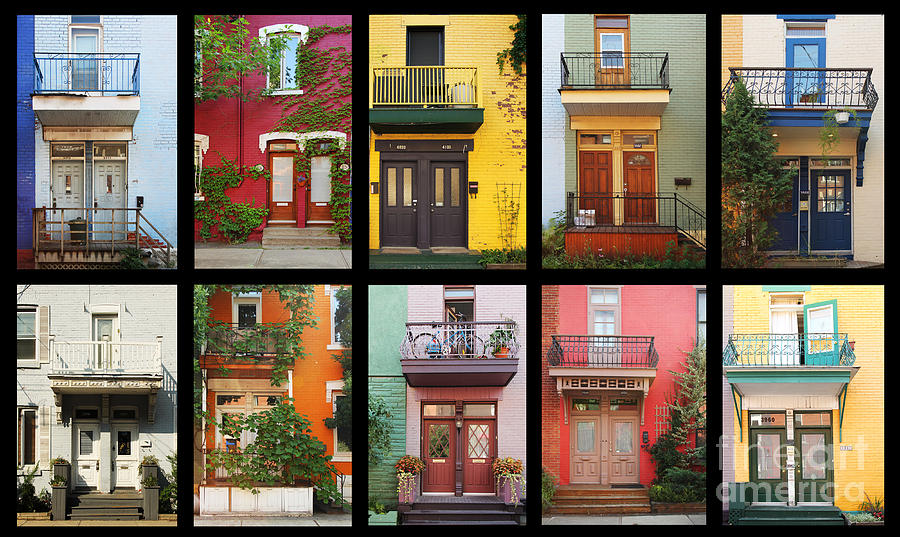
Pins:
<point x="550" y="405"/>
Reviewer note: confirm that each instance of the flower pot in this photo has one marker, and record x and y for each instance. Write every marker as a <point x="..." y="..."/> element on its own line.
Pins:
<point x="65" y="471"/>
<point x="841" y="117"/>
<point x="503" y="352"/>
<point x="510" y="491"/>
<point x="409" y="490"/>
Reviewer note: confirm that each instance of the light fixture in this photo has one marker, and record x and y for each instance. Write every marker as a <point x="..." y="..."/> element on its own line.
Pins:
<point x="775" y="135"/>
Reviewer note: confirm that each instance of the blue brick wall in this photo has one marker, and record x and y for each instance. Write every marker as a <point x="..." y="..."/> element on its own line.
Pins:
<point x="24" y="130"/>
<point x="152" y="152"/>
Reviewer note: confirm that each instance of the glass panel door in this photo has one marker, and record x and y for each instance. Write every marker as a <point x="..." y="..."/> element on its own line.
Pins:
<point x="85" y="66"/>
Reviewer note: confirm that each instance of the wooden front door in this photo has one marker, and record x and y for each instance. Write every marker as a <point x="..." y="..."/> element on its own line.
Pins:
<point x="623" y="456"/>
<point x="86" y="455"/>
<point x="585" y="449"/>
<point x="478" y="440"/>
<point x="318" y="202"/>
<point x="640" y="188"/>
<point x="595" y="203"/>
<point x="398" y="203"/>
<point x="282" y="189"/>
<point x="447" y="203"/>
<point x="440" y="456"/>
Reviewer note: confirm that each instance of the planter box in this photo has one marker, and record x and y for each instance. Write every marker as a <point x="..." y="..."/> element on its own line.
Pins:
<point x="410" y="497"/>
<point x="64" y="470"/>
<point x="58" y="501"/>
<point x="505" y="491"/>
<point x="150" y="470"/>
<point x="33" y="516"/>
<point x="666" y="507"/>
<point x="269" y="501"/>
<point x="505" y="266"/>
<point x="151" y="503"/>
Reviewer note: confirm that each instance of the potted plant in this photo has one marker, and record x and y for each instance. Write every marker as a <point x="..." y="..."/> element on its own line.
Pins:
<point x="59" y="483"/>
<point x="150" y="467"/>
<point x="502" y="338"/>
<point x="151" y="497"/>
<point x="829" y="133"/>
<point x="509" y="474"/>
<point x="408" y="470"/>
<point x="61" y="467"/>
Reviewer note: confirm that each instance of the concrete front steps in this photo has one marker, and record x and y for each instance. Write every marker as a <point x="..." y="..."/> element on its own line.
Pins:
<point x="781" y="515"/>
<point x="317" y="237"/>
<point x="467" y="510"/>
<point x="599" y="500"/>
<point x="120" y="505"/>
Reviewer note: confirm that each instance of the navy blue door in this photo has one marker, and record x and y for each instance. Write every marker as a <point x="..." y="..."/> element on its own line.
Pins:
<point x="830" y="210"/>
<point x="785" y="221"/>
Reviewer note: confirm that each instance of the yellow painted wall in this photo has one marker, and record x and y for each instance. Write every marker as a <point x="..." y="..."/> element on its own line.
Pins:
<point x="732" y="44"/>
<point x="499" y="155"/>
<point x="861" y="316"/>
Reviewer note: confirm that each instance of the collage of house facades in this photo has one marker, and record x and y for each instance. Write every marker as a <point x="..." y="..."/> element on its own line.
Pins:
<point x="692" y="178"/>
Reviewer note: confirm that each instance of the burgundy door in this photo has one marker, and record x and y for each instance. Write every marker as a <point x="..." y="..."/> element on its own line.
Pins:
<point x="478" y="443"/>
<point x="398" y="203"/>
<point x="640" y="206"/>
<point x="447" y="204"/>
<point x="440" y="456"/>
<point x="595" y="206"/>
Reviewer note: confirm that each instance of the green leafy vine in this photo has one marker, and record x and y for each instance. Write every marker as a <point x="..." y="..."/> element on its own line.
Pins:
<point x="516" y="54"/>
<point x="233" y="220"/>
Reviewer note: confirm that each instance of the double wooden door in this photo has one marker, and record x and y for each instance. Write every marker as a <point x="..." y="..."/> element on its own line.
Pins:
<point x="611" y="449"/>
<point x="470" y="449"/>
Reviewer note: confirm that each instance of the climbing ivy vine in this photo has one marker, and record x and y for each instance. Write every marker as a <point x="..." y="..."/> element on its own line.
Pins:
<point x="234" y="220"/>
<point x="516" y="54"/>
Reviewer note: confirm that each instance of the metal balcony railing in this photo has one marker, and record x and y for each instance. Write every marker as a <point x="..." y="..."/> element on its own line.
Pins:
<point x="788" y="350"/>
<point x="460" y="340"/>
<point x="263" y="340"/>
<point x="614" y="70"/>
<point x="602" y="351"/>
<point x="778" y="87"/>
<point x="589" y="210"/>
<point x="106" y="357"/>
<point x="72" y="72"/>
<point x="431" y="86"/>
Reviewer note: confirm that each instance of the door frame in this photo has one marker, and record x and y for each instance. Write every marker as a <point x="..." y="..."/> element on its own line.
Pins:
<point x="93" y="424"/>
<point x="829" y="463"/>
<point x="270" y="204"/>
<point x="132" y="460"/>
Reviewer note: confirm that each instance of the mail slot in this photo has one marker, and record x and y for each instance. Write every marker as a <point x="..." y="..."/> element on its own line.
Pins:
<point x="438" y="460"/>
<point x="479" y="461"/>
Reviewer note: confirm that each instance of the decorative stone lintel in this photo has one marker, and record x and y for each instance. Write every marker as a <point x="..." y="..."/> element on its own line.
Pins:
<point x="301" y="138"/>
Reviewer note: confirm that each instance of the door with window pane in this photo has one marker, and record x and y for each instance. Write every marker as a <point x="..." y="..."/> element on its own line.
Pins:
<point x="623" y="456"/>
<point x="439" y="456"/>
<point x="85" y="64"/>
<point x="125" y="455"/>
<point x="318" y="209"/>
<point x="398" y="203"/>
<point x="815" y="465"/>
<point x="767" y="469"/>
<point x="86" y="454"/>
<point x="478" y="439"/>
<point x="282" y="202"/>
<point x="110" y="193"/>
<point x="829" y="217"/>
<point x="448" y="204"/>
<point x="585" y="449"/>
<point x="611" y="46"/>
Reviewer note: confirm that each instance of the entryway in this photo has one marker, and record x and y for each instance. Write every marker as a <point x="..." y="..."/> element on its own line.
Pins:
<point x="459" y="444"/>
<point x="603" y="440"/>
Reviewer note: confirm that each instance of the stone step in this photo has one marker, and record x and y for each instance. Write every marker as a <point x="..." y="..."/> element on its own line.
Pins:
<point x="299" y="236"/>
<point x="597" y="499"/>
<point x="595" y="509"/>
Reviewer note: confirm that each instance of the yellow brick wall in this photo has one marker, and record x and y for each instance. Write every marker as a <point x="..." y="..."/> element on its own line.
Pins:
<point x="732" y="44"/>
<point x="861" y="316"/>
<point x="499" y="155"/>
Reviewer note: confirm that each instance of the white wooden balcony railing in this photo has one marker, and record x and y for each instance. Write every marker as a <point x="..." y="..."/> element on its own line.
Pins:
<point x="106" y="357"/>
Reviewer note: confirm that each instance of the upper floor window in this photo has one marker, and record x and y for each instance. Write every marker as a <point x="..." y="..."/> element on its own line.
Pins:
<point x="611" y="39"/>
<point x="201" y="145"/>
<point x="604" y="311"/>
<point x="339" y="313"/>
<point x="425" y="45"/>
<point x="27" y="424"/>
<point x="701" y="316"/>
<point x="459" y="304"/>
<point x="285" y="41"/>
<point x="26" y="334"/>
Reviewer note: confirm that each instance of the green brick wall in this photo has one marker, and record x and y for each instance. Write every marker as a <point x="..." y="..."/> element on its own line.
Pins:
<point x="382" y="479"/>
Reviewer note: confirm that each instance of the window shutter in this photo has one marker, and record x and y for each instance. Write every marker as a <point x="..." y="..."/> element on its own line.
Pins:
<point x="44" y="334"/>
<point x="44" y="437"/>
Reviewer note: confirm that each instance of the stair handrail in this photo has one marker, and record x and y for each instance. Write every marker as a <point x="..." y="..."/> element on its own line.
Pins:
<point x="694" y="214"/>
<point x="153" y="250"/>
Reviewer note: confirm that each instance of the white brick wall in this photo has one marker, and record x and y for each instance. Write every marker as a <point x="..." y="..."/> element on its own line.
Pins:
<point x="554" y="123"/>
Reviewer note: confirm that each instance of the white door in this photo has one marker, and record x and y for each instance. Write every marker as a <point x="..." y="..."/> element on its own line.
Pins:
<point x="86" y="454"/>
<point x="125" y="455"/>
<point x="106" y="334"/>
<point x="67" y="193"/>
<point x="109" y="193"/>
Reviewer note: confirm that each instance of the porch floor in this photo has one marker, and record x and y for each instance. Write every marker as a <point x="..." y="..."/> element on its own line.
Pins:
<point x="624" y="228"/>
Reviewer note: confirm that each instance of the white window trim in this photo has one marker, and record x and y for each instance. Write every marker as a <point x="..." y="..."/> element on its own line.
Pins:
<point x="203" y="140"/>
<point x="25" y="468"/>
<point x="333" y="390"/>
<point x="36" y="362"/>
<point x="301" y="139"/>
<point x="295" y="29"/>
<point x="615" y="308"/>
<point x="333" y="345"/>
<point x="238" y="300"/>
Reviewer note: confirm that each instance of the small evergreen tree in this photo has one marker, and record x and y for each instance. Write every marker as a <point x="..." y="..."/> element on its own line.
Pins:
<point x="688" y="408"/>
<point x="754" y="185"/>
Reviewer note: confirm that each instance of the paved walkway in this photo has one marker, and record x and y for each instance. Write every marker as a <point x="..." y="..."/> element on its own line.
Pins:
<point x="693" y="519"/>
<point x="318" y="519"/>
<point x="252" y="255"/>
<point x="95" y="523"/>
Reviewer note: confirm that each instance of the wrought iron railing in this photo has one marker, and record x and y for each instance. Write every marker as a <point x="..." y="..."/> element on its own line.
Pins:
<point x="106" y="357"/>
<point x="614" y="70"/>
<point x="778" y="87"/>
<point x="460" y="340"/>
<point x="602" y="351"/>
<point x="622" y="208"/>
<point x="262" y="340"/>
<point x="788" y="350"/>
<point x="72" y="72"/>
<point x="94" y="229"/>
<point x="439" y="86"/>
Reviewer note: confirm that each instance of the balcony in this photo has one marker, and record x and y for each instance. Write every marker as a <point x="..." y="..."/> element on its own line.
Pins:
<point x="86" y="89"/>
<point x="421" y="99"/>
<point x="585" y="352"/>
<point x="482" y="353"/>
<point x="614" y="84"/>
<point x="228" y="342"/>
<point x="809" y="364"/>
<point x="812" y="89"/>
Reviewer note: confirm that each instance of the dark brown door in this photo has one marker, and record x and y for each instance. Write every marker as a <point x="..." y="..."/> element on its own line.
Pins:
<point x="398" y="203"/>
<point x="282" y="189"/>
<point x="595" y="203"/>
<point x="447" y="203"/>
<point x="478" y="440"/>
<point x="440" y="456"/>
<point x="640" y="202"/>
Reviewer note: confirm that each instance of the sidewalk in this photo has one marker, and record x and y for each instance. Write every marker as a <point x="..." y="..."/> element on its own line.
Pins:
<point x="252" y="255"/>
<point x="97" y="523"/>
<point x="693" y="519"/>
<point x="318" y="519"/>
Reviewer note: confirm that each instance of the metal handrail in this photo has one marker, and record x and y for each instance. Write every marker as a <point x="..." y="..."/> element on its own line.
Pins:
<point x="263" y="340"/>
<point x="808" y="349"/>
<point x="614" y="70"/>
<point x="602" y="351"/>
<point x="460" y="340"/>
<point x="813" y="88"/>
<point x="75" y="72"/>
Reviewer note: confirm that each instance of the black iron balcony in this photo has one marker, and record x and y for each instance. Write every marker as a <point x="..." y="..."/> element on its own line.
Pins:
<point x="825" y="89"/>
<point x="614" y="70"/>
<point x="583" y="351"/>
<point x="483" y="353"/>
<point x="788" y="350"/>
<point x="71" y="72"/>
<point x="260" y="341"/>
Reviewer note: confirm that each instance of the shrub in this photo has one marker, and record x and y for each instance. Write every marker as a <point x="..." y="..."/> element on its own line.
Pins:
<point x="548" y="489"/>
<point x="26" y="500"/>
<point x="680" y="486"/>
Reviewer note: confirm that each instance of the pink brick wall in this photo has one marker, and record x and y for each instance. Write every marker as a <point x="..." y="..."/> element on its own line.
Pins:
<point x="234" y="127"/>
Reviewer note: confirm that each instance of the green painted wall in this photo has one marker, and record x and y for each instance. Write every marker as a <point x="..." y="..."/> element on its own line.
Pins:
<point x="579" y="37"/>
<point x="387" y="327"/>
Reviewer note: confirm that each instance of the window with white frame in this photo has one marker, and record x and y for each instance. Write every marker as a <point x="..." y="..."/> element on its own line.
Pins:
<point x="604" y="311"/>
<point x="285" y="41"/>
<point x="27" y="423"/>
<point x="342" y="433"/>
<point x="201" y="146"/>
<point x="26" y="335"/>
<point x="701" y="316"/>
<point x="335" y="303"/>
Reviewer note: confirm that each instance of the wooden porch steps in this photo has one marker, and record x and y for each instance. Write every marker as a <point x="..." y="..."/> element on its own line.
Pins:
<point x="597" y="500"/>
<point x="467" y="510"/>
<point x="299" y="236"/>
<point x="96" y="506"/>
<point x="810" y="515"/>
